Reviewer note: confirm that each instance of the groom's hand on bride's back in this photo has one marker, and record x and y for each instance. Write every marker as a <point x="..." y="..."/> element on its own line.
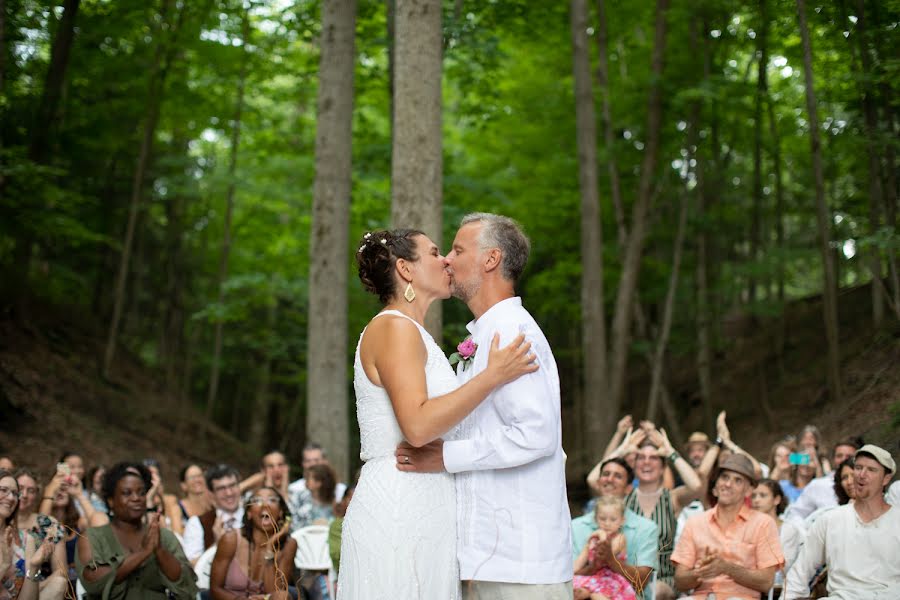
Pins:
<point x="425" y="459"/>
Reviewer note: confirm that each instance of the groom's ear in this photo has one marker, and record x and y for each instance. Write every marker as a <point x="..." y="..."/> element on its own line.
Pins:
<point x="493" y="260"/>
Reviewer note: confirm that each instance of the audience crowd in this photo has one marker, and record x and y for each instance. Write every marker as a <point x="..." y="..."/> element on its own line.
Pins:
<point x="707" y="521"/>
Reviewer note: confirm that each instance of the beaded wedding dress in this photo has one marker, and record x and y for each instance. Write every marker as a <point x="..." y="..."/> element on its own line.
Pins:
<point x="398" y="540"/>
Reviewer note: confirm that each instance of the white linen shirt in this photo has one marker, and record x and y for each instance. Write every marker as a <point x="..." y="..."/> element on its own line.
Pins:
<point x="514" y="522"/>
<point x="193" y="531"/>
<point x="818" y="493"/>
<point x="862" y="558"/>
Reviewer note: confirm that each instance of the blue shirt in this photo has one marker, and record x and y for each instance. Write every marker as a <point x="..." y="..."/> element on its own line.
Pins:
<point x="641" y="535"/>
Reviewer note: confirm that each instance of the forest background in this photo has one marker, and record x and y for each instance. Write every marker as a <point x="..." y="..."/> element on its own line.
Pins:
<point x="710" y="188"/>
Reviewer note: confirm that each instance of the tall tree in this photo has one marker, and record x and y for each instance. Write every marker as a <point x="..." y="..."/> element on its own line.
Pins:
<point x="225" y="251"/>
<point x="326" y="389"/>
<point x="416" y="160"/>
<point x="762" y="90"/>
<point x="621" y="326"/>
<point x="45" y="119"/>
<point x="823" y="220"/>
<point x="593" y="321"/>
<point x="165" y="50"/>
<point x="870" y="115"/>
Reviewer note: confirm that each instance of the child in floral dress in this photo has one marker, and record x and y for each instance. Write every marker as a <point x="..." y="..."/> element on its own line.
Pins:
<point x="604" y="584"/>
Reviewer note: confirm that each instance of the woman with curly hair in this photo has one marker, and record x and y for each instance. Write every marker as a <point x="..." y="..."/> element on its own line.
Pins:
<point x="253" y="562"/>
<point x="130" y="559"/>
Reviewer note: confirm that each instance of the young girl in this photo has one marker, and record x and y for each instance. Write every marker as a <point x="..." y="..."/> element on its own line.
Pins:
<point x="604" y="584"/>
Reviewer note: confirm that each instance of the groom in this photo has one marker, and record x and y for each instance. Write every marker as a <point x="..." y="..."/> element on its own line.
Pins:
<point x="513" y="517"/>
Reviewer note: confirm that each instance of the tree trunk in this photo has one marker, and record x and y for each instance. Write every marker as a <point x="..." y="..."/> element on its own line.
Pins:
<point x="762" y="90"/>
<point x="632" y="261"/>
<point x="775" y="145"/>
<point x="43" y="126"/>
<point x="704" y="338"/>
<point x="615" y="186"/>
<point x="829" y="291"/>
<point x="261" y="399"/>
<point x="870" y="114"/>
<point x="417" y="162"/>
<point x="154" y="100"/>
<point x="213" y="389"/>
<point x="326" y="390"/>
<point x="666" y="327"/>
<point x="593" y="320"/>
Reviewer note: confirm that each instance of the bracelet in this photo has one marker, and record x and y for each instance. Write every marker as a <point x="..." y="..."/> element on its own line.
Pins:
<point x="673" y="458"/>
<point x="36" y="576"/>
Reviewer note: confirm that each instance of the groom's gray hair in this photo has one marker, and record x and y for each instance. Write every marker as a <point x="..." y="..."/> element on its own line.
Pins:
<point x="503" y="233"/>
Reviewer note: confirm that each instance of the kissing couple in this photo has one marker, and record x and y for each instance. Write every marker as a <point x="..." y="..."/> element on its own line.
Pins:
<point x="463" y="491"/>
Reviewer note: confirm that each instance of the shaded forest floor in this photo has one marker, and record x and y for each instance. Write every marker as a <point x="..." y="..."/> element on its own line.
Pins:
<point x="52" y="397"/>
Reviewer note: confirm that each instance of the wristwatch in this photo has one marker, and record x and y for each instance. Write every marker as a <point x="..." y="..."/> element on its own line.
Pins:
<point x="33" y="576"/>
<point x="269" y="556"/>
<point x="673" y="458"/>
<point x="720" y="442"/>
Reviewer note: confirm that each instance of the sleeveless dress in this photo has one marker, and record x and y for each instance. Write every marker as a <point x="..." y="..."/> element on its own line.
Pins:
<point x="398" y="540"/>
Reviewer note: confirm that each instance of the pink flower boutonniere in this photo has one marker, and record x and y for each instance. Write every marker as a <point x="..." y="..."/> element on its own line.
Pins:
<point x="465" y="352"/>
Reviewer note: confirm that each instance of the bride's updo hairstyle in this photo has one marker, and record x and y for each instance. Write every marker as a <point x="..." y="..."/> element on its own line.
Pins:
<point x="378" y="253"/>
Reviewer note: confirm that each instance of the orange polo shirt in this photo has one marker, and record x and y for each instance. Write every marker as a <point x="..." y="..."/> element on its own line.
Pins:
<point x="751" y="541"/>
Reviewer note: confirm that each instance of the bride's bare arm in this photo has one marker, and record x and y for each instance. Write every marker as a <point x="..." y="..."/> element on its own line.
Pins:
<point x="398" y="356"/>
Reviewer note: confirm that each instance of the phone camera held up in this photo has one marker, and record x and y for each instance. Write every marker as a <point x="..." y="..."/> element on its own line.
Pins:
<point x="798" y="458"/>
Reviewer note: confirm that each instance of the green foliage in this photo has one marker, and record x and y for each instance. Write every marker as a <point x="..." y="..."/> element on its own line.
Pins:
<point x="509" y="146"/>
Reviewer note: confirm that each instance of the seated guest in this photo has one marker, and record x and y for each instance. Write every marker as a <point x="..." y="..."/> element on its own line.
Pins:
<point x="595" y="579"/>
<point x="94" y="482"/>
<point x="53" y="577"/>
<point x="641" y="534"/>
<point x="314" y="454"/>
<point x="810" y="440"/>
<point x="892" y="496"/>
<point x="20" y="570"/>
<point x="779" y="465"/>
<point x="730" y="550"/>
<point x="205" y="530"/>
<point x="858" y="542"/>
<point x="315" y="504"/>
<point x="128" y="559"/>
<point x="195" y="500"/>
<point x="801" y="476"/>
<point x="820" y="491"/>
<point x="768" y="498"/>
<point x="253" y="560"/>
<point x="7" y="464"/>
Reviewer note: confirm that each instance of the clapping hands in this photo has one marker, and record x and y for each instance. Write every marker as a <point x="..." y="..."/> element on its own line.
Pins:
<point x="710" y="565"/>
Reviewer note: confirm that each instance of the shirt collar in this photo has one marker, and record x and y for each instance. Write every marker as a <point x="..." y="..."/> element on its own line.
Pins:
<point x="476" y="326"/>
<point x="744" y="513"/>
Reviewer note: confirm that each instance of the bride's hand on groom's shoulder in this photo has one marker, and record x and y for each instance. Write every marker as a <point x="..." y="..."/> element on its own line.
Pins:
<point x="511" y="361"/>
<point x="424" y="459"/>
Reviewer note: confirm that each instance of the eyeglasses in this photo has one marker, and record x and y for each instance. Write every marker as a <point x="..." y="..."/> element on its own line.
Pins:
<point x="260" y="500"/>
<point x="5" y="491"/>
<point x="226" y="486"/>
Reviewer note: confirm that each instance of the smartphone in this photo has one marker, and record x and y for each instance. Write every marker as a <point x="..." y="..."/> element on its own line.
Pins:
<point x="798" y="458"/>
<point x="63" y="468"/>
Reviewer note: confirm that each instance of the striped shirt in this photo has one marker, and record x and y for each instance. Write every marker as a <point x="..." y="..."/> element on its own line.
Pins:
<point x="664" y="516"/>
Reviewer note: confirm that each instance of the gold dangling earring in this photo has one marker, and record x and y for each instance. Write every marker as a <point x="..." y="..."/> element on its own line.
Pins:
<point x="410" y="293"/>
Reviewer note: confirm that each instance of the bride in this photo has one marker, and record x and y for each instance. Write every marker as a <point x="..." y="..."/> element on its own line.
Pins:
<point x="399" y="535"/>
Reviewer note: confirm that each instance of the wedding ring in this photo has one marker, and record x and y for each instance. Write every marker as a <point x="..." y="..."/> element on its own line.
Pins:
<point x="406" y="459"/>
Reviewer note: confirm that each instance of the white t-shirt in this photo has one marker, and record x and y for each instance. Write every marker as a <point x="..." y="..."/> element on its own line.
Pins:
<point x="863" y="558"/>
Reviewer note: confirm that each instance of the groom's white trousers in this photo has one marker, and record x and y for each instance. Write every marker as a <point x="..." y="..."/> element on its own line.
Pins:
<point x="496" y="590"/>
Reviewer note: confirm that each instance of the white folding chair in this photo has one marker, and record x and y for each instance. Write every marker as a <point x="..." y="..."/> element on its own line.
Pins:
<point x="203" y="567"/>
<point x="80" y="592"/>
<point x="312" y="551"/>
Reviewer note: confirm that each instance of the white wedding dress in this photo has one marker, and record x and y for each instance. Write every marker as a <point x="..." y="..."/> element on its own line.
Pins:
<point x="398" y="540"/>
